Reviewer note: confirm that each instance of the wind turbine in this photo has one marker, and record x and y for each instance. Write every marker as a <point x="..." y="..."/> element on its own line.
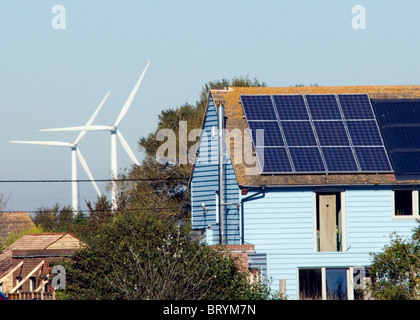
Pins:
<point x="75" y="153"/>
<point x="115" y="132"/>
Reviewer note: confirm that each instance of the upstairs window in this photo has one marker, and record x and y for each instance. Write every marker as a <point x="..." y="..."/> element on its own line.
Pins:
<point x="406" y="203"/>
<point x="329" y="216"/>
<point x="32" y="284"/>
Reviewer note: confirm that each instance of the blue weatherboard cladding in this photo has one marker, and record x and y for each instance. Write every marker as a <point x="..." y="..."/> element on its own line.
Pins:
<point x="204" y="184"/>
<point x="281" y="225"/>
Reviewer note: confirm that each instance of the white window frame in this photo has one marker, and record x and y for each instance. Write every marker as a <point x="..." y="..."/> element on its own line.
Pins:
<point x="415" y="204"/>
<point x="32" y="284"/>
<point x="350" y="287"/>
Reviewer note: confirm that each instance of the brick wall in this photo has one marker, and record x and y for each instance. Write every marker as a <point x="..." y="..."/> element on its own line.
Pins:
<point x="31" y="259"/>
<point x="240" y="251"/>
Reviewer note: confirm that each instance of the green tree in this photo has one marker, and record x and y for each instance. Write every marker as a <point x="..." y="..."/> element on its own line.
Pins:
<point x="395" y="272"/>
<point x="143" y="255"/>
<point x="54" y="219"/>
<point x="15" y="235"/>
<point x="163" y="186"/>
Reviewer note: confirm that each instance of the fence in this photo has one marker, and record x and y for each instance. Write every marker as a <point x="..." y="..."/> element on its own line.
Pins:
<point x="31" y="296"/>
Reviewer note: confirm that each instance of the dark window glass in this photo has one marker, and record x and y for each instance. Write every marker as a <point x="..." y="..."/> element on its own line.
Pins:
<point x="336" y="280"/>
<point x="310" y="284"/>
<point x="403" y="203"/>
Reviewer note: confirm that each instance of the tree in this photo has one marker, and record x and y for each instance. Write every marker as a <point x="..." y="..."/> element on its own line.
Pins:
<point x="143" y="255"/>
<point x="395" y="272"/>
<point x="16" y="235"/>
<point x="163" y="185"/>
<point x="4" y="200"/>
<point x="55" y="219"/>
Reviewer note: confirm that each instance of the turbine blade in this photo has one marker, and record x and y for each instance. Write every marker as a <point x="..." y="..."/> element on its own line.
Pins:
<point x="79" y="128"/>
<point x="130" y="99"/>
<point x="46" y="143"/>
<point x="127" y="148"/>
<point x="86" y="168"/>
<point x="92" y="118"/>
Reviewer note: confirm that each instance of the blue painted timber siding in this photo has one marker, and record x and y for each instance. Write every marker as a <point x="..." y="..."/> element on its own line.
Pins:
<point x="204" y="184"/>
<point x="281" y="225"/>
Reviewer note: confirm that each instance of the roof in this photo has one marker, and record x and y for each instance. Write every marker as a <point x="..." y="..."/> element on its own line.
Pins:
<point x="36" y="243"/>
<point x="234" y="114"/>
<point x="14" y="222"/>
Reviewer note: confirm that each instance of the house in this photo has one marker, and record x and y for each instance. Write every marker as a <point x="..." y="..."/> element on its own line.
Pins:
<point x="314" y="179"/>
<point x="25" y="264"/>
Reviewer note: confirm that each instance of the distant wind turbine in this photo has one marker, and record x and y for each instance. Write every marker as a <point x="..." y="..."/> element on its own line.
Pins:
<point x="75" y="153"/>
<point x="115" y="132"/>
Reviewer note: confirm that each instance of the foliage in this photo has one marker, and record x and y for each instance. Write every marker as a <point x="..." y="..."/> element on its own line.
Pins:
<point x="15" y="235"/>
<point x="163" y="185"/>
<point x="302" y="85"/>
<point x="100" y="212"/>
<point x="395" y="271"/>
<point x="142" y="255"/>
<point x="4" y="200"/>
<point x="55" y="219"/>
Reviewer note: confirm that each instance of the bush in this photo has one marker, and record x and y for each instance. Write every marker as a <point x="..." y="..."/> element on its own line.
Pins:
<point x="395" y="271"/>
<point x="147" y="256"/>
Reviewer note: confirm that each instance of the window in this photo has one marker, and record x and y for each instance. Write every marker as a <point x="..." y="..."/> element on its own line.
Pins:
<point x="333" y="283"/>
<point x="32" y="284"/>
<point x="310" y="284"/>
<point x="329" y="222"/>
<point x="18" y="279"/>
<point x="406" y="203"/>
<point x="336" y="283"/>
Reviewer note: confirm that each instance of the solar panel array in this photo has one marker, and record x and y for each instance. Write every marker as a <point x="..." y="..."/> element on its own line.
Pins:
<point x="399" y="122"/>
<point x="315" y="133"/>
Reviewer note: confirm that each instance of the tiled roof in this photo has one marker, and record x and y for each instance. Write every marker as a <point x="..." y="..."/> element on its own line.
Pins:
<point x="27" y="242"/>
<point x="5" y="262"/>
<point x="234" y="114"/>
<point x="36" y="241"/>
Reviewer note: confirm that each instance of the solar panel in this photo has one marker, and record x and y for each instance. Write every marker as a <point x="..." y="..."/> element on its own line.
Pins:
<point x="323" y="107"/>
<point x="372" y="159"/>
<point x="356" y="106"/>
<point x="397" y="111"/>
<point x="331" y="133"/>
<point x="406" y="163"/>
<point x="298" y="133"/>
<point x="273" y="160"/>
<point x="258" y="107"/>
<point x="320" y="133"/>
<point x="290" y="107"/>
<point x="399" y="122"/>
<point x="339" y="159"/>
<point x="269" y="131"/>
<point x="402" y="137"/>
<point x="364" y="133"/>
<point x="307" y="159"/>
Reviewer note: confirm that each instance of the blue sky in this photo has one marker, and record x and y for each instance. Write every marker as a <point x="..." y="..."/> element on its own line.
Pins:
<point x="55" y="78"/>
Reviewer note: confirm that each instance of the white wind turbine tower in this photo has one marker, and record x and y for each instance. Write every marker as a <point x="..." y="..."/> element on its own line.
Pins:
<point x="113" y="129"/>
<point x="75" y="153"/>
